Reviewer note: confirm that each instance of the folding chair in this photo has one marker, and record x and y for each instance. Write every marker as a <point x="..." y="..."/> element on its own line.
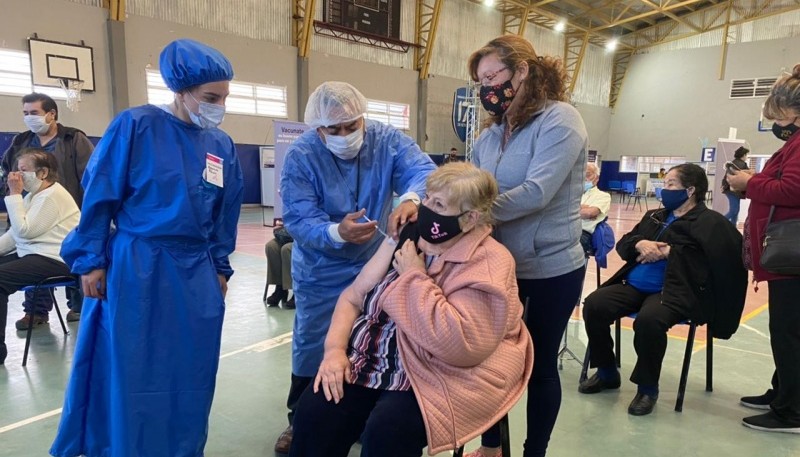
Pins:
<point x="687" y="358"/>
<point x="50" y="284"/>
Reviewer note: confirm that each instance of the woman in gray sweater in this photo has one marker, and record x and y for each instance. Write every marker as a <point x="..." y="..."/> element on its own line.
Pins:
<point x="535" y="146"/>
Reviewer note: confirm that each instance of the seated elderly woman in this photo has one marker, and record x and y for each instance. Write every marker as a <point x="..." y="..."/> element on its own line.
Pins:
<point x="682" y="262"/>
<point x="39" y="223"/>
<point x="431" y="352"/>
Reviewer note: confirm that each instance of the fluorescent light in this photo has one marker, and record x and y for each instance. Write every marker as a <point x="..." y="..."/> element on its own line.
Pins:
<point x="560" y="26"/>
<point x="488" y="2"/>
<point x="611" y="45"/>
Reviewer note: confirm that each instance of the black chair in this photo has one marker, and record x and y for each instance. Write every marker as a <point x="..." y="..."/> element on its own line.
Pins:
<point x="505" y="440"/>
<point x="636" y="197"/>
<point x="48" y="284"/>
<point x="687" y="358"/>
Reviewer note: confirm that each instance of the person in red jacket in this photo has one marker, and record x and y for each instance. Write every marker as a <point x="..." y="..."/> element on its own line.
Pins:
<point x="777" y="185"/>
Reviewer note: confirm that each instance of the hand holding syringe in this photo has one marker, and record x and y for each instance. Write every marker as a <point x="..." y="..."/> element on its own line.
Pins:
<point x="385" y="235"/>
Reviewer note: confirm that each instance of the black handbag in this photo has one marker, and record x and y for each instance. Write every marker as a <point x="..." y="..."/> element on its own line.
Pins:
<point x="780" y="248"/>
<point x="282" y="236"/>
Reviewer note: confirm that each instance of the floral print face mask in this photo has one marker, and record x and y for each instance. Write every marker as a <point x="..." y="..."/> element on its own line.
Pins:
<point x="496" y="99"/>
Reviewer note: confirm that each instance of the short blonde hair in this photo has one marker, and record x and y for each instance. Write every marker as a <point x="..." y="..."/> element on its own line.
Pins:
<point x="784" y="97"/>
<point x="467" y="187"/>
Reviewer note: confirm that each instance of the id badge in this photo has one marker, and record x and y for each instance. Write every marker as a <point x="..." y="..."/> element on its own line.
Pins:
<point x="213" y="173"/>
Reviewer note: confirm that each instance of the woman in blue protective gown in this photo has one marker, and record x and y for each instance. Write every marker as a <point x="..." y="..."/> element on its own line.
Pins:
<point x="148" y="349"/>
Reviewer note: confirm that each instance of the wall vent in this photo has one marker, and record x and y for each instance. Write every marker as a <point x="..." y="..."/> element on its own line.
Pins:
<point x="752" y="87"/>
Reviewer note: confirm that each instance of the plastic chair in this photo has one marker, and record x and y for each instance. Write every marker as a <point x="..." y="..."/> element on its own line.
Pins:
<point x="628" y="188"/>
<point x="505" y="440"/>
<point x="687" y="358"/>
<point x="50" y="284"/>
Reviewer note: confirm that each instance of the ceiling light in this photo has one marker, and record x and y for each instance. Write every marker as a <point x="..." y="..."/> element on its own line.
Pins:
<point x="560" y="26"/>
<point x="489" y="3"/>
<point x="611" y="45"/>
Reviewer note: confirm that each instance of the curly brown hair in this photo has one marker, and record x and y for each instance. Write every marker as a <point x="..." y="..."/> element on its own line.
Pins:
<point x="547" y="79"/>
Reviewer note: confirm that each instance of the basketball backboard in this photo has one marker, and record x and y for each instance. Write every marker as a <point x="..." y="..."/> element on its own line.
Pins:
<point x="52" y="61"/>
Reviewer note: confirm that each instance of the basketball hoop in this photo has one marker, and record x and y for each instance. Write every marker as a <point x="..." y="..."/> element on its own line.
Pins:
<point x="72" y="87"/>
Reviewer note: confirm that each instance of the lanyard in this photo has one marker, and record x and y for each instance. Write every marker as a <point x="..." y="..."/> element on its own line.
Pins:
<point x="344" y="180"/>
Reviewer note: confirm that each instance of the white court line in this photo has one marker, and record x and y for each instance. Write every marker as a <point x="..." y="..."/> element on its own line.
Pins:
<point x="717" y="345"/>
<point x="30" y="420"/>
<point x="755" y="330"/>
<point x="261" y="346"/>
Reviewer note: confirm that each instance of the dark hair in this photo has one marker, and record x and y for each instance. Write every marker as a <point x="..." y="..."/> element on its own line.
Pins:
<point x="453" y="149"/>
<point x="546" y="75"/>
<point x="41" y="159"/>
<point x="48" y="104"/>
<point x="741" y="152"/>
<point x="692" y="175"/>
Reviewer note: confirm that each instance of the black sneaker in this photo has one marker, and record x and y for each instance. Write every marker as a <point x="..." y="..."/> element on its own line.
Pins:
<point x="770" y="422"/>
<point x="289" y="304"/>
<point x="759" y="401"/>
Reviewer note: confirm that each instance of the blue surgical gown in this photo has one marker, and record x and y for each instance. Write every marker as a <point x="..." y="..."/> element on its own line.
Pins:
<point x="146" y="358"/>
<point x="319" y="189"/>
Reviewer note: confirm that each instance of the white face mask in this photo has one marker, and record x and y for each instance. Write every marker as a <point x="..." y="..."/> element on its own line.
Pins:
<point x="345" y="147"/>
<point x="30" y="182"/>
<point x="209" y="115"/>
<point x="36" y="124"/>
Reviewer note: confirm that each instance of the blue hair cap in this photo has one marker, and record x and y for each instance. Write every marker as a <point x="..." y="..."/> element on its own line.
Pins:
<point x="187" y="63"/>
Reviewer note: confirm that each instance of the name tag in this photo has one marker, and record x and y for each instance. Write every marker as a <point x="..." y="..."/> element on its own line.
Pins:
<point x="213" y="173"/>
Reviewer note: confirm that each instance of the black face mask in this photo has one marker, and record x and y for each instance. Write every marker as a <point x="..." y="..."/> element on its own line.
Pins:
<point x="496" y="99"/>
<point x="783" y="133"/>
<point x="436" y="228"/>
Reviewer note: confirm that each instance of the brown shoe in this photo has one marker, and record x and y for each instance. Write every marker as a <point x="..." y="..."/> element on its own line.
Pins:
<point x="284" y="442"/>
<point x="25" y="322"/>
<point x="72" y="316"/>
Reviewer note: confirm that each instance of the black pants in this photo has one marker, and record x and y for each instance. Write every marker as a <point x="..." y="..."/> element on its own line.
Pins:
<point x="296" y="389"/>
<point x="17" y="272"/>
<point x="549" y="303"/>
<point x="389" y="423"/>
<point x="604" y="306"/>
<point x="586" y="243"/>
<point x="784" y="330"/>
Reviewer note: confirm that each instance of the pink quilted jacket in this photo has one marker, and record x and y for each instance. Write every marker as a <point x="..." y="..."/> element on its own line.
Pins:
<point x="461" y="338"/>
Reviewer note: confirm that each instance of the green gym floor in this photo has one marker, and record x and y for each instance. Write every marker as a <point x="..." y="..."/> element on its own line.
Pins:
<point x="249" y="408"/>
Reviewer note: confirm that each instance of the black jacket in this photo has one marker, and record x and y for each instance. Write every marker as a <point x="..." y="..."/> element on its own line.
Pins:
<point x="72" y="151"/>
<point x="705" y="275"/>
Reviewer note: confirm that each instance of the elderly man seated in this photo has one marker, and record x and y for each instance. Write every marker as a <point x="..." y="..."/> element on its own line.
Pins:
<point x="682" y="262"/>
<point x="594" y="206"/>
<point x="29" y="251"/>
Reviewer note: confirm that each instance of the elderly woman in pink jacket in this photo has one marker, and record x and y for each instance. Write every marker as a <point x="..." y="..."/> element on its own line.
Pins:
<point x="431" y="352"/>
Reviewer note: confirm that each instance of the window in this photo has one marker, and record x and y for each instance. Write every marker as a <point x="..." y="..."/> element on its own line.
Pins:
<point x="394" y="114"/>
<point x="15" y="76"/>
<point x="245" y="98"/>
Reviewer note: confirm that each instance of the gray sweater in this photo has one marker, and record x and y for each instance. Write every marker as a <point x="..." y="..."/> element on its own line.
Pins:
<point x="540" y="174"/>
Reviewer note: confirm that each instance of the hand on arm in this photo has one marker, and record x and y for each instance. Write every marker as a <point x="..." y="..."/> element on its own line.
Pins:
<point x="589" y="212"/>
<point x="406" y="258"/>
<point x="404" y="213"/>
<point x="651" y="251"/>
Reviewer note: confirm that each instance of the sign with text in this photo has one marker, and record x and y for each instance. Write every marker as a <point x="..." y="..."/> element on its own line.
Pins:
<point x="285" y="134"/>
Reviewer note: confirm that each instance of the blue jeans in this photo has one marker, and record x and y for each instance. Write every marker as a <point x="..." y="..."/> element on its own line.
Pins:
<point x="733" y="207"/>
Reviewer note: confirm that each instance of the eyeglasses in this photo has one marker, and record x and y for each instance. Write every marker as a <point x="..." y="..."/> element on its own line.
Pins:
<point x="488" y="80"/>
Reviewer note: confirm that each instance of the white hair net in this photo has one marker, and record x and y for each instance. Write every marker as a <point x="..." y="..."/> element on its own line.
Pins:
<point x="334" y="102"/>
